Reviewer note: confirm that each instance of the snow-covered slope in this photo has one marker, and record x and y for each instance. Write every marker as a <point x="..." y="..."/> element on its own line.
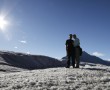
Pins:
<point x="11" y="61"/>
<point x="89" y="77"/>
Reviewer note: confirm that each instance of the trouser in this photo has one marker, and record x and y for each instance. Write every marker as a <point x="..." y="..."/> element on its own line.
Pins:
<point x="77" y="56"/>
<point x="68" y="61"/>
<point x="71" y="56"/>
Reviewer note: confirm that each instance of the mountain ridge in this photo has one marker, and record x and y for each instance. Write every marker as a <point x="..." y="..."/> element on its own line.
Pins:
<point x="17" y="61"/>
<point x="90" y="58"/>
<point x="27" y="61"/>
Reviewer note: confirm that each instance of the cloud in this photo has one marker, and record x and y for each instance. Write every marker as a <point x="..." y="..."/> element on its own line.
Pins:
<point x="15" y="47"/>
<point x="23" y="41"/>
<point x="98" y="54"/>
<point x="108" y="59"/>
<point x="28" y="52"/>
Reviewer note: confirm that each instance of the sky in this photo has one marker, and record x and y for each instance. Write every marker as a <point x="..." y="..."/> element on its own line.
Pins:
<point x="41" y="27"/>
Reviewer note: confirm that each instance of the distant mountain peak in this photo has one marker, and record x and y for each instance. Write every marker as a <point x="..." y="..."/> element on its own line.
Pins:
<point x="91" y="59"/>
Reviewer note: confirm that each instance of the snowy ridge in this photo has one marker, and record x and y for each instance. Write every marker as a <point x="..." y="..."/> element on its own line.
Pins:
<point x="15" y="61"/>
<point x="12" y="61"/>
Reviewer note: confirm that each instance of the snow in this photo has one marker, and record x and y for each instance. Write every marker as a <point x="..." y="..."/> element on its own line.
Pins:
<point x="19" y="71"/>
<point x="88" y="77"/>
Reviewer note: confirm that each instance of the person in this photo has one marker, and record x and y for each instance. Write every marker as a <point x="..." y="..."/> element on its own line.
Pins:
<point x="77" y="50"/>
<point x="70" y="51"/>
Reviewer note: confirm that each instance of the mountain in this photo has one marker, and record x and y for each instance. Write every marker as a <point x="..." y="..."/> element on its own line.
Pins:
<point x="88" y="77"/>
<point x="90" y="59"/>
<point x="13" y="60"/>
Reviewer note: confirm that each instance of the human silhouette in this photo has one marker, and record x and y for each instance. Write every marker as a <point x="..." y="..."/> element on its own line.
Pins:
<point x="70" y="51"/>
<point x="77" y="50"/>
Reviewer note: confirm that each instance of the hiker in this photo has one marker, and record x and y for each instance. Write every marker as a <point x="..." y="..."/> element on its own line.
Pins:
<point x="77" y="50"/>
<point x="70" y="51"/>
